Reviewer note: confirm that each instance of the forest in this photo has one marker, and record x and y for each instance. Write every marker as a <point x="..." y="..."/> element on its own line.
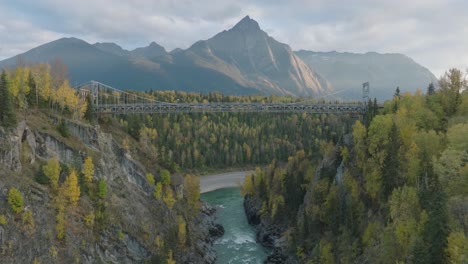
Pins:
<point x="401" y="195"/>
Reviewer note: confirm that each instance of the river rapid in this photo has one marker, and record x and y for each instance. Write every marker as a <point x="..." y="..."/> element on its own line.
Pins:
<point x="238" y="244"/>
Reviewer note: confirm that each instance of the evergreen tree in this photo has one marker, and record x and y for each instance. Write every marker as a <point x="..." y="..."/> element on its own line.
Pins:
<point x="390" y="170"/>
<point x="89" y="113"/>
<point x="375" y="108"/>
<point x="397" y="92"/>
<point x="396" y="99"/>
<point x="433" y="199"/>
<point x="431" y="89"/>
<point x="7" y="115"/>
<point x="33" y="96"/>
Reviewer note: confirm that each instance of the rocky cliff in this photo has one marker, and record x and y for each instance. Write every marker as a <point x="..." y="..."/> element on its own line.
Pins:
<point x="133" y="223"/>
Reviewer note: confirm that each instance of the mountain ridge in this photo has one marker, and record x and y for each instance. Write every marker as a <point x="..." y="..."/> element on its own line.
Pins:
<point x="384" y="71"/>
<point x="241" y="60"/>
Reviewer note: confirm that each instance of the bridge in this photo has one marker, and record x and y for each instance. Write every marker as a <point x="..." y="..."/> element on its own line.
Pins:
<point x="109" y="100"/>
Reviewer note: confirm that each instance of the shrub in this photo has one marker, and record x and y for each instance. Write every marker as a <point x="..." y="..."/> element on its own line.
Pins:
<point x="60" y="225"/>
<point x="89" y="219"/>
<point x="169" y="199"/>
<point x="165" y="177"/>
<point x="3" y="220"/>
<point x="27" y="219"/>
<point x="102" y="189"/>
<point x="63" y="129"/>
<point x="15" y="200"/>
<point x="150" y="178"/>
<point x="158" y="191"/>
<point x="181" y="231"/>
<point x="120" y="235"/>
<point x="52" y="171"/>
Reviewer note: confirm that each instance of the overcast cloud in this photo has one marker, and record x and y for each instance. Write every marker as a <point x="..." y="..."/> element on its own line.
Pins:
<point x="432" y="32"/>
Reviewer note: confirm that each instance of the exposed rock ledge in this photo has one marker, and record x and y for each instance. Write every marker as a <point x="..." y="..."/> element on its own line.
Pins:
<point x="268" y="233"/>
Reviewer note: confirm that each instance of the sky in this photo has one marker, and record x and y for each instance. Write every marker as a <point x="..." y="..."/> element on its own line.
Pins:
<point x="432" y="32"/>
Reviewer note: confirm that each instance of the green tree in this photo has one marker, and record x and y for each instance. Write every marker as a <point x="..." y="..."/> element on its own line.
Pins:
<point x="89" y="112"/>
<point x="451" y="84"/>
<point x="7" y="114"/>
<point x="15" y="200"/>
<point x="192" y="188"/>
<point x="158" y="191"/>
<point x="457" y="248"/>
<point x="430" y="89"/>
<point x="102" y="189"/>
<point x="52" y="171"/>
<point x="181" y="231"/>
<point x="391" y="165"/>
<point x="433" y="199"/>
<point x="165" y="177"/>
<point x="33" y="95"/>
<point x="168" y="198"/>
<point x="150" y="178"/>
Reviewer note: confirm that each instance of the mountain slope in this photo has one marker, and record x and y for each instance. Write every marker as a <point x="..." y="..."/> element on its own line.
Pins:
<point x="86" y="62"/>
<point x="257" y="60"/>
<point x="152" y="51"/>
<point x="347" y="71"/>
<point x="242" y="60"/>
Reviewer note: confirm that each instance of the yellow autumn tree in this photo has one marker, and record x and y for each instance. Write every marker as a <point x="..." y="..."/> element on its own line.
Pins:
<point x="19" y="86"/>
<point x="71" y="188"/>
<point x="181" y="231"/>
<point x="192" y="188"/>
<point x="168" y="198"/>
<point x="52" y="171"/>
<point x="41" y="75"/>
<point x="68" y="98"/>
<point x="88" y="170"/>
<point x="170" y="259"/>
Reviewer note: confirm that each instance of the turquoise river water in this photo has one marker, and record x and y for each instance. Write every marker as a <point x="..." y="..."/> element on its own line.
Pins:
<point x="238" y="243"/>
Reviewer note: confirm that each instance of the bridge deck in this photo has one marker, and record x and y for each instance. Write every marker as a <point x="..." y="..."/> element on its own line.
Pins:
<point x="340" y="108"/>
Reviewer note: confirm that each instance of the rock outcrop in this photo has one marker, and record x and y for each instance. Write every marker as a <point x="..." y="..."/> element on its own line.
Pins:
<point x="134" y="218"/>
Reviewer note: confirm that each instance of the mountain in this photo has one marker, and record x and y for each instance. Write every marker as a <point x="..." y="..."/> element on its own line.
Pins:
<point x="347" y="71"/>
<point x="242" y="60"/>
<point x="255" y="59"/>
<point x="87" y="62"/>
<point x="112" y="48"/>
<point x="152" y="51"/>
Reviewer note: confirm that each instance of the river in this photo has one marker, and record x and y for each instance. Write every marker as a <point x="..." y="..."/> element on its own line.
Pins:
<point x="238" y="244"/>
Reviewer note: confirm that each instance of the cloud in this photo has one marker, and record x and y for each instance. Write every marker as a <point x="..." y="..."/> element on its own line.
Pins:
<point x="433" y="32"/>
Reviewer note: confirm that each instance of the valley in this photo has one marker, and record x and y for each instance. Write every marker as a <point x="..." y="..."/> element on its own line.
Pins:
<point x="236" y="149"/>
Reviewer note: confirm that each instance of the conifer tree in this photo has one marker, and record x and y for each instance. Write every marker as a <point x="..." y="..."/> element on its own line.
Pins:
<point x="390" y="170"/>
<point x="32" y="96"/>
<point x="431" y="89"/>
<point x="7" y="115"/>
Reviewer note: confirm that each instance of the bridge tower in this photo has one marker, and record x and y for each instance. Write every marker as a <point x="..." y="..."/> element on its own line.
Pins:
<point x="94" y="86"/>
<point x="365" y="92"/>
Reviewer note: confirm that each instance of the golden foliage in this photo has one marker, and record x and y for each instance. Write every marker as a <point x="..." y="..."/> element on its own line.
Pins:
<point x="72" y="189"/>
<point x="168" y="198"/>
<point x="192" y="188"/>
<point x="181" y="231"/>
<point x="88" y="170"/>
<point x="15" y="200"/>
<point x="52" y="171"/>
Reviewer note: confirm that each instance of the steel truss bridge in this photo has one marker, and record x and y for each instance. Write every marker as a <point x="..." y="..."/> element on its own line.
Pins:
<point x="109" y="100"/>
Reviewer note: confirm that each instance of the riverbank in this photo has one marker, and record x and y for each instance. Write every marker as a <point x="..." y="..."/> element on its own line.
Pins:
<point x="222" y="180"/>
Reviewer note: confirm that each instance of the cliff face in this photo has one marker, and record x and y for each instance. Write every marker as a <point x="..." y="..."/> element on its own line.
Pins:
<point x="134" y="220"/>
